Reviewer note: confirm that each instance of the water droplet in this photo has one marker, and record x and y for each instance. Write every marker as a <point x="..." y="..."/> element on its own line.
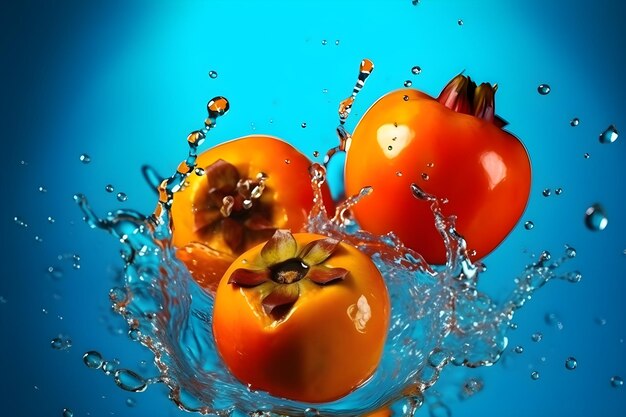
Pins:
<point x="121" y="197"/>
<point x="55" y="272"/>
<point x="398" y="173"/>
<point x="574" y="122"/>
<point x="337" y="42"/>
<point x="20" y="222"/>
<point x="130" y="402"/>
<point x="536" y="337"/>
<point x="51" y="219"/>
<point x="405" y="98"/>
<point x="552" y="319"/>
<point x="316" y="154"/>
<point x="213" y="74"/>
<point x="425" y="176"/>
<point x="303" y="125"/>
<point x="109" y="188"/>
<point x="574" y="277"/>
<point x="595" y="218"/>
<point x="570" y="251"/>
<point x="558" y="191"/>
<point x="571" y="363"/>
<point x="287" y="161"/>
<point x="529" y="225"/>
<point x="459" y="22"/>
<point x="544" y="89"/>
<point x="42" y="189"/>
<point x="68" y="413"/>
<point x="609" y="135"/>
<point x="199" y="171"/>
<point x="324" y="90"/>
<point x="408" y="83"/>
<point x="617" y="381"/>
<point x="61" y="343"/>
<point x="534" y="375"/>
<point x="472" y="386"/>
<point x="324" y="41"/>
<point x="38" y="238"/>
<point x="130" y="381"/>
<point x="416" y="70"/>
<point x="390" y="148"/>
<point x="93" y="359"/>
<point x="518" y="349"/>
<point x="546" y="192"/>
<point x="586" y="155"/>
<point x="85" y="159"/>
<point x="109" y="367"/>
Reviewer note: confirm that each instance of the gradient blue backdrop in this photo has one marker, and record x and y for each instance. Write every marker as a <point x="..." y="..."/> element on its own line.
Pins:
<point x="126" y="81"/>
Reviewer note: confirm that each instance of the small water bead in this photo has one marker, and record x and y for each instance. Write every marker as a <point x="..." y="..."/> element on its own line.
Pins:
<point x="534" y="375"/>
<point x="518" y="349"/>
<point x="55" y="272"/>
<point x="546" y="192"/>
<point x="472" y="386"/>
<point x="586" y="155"/>
<point x="122" y="197"/>
<point x="303" y="125"/>
<point x="398" y="173"/>
<point x="67" y="413"/>
<point x="109" y="367"/>
<point x="42" y="189"/>
<point x="61" y="343"/>
<point x="574" y="277"/>
<point x="109" y="188"/>
<point x="459" y="22"/>
<point x="38" y="238"/>
<point x="609" y="135"/>
<point x="316" y="154"/>
<point x="130" y="381"/>
<point x="596" y="218"/>
<point x="324" y="42"/>
<point x="337" y="42"/>
<point x="93" y="359"/>
<point x="558" y="191"/>
<point x="570" y="251"/>
<point x="199" y="171"/>
<point x="536" y="337"/>
<point x="213" y="74"/>
<point x="544" y="89"/>
<point x="416" y="70"/>
<point x="287" y="161"/>
<point x="390" y="148"/>
<point x="617" y="381"/>
<point x="20" y="222"/>
<point x="529" y="225"/>
<point x="425" y="176"/>
<point x="51" y="219"/>
<point x="574" y="122"/>
<point x="405" y="98"/>
<point x="85" y="159"/>
<point x="408" y="83"/>
<point x="571" y="363"/>
<point x="552" y="319"/>
<point x="130" y="402"/>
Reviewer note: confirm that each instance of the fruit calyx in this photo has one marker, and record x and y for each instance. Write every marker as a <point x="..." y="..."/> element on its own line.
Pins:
<point x="282" y="266"/>
<point x="233" y="204"/>
<point x="463" y="96"/>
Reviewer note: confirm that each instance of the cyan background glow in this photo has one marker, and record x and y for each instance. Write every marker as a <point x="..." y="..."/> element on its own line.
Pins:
<point x="126" y="81"/>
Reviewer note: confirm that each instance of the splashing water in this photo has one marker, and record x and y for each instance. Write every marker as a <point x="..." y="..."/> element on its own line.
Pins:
<point x="438" y="316"/>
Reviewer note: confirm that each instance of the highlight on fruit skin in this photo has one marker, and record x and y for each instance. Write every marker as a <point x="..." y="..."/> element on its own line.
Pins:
<point x="302" y="316"/>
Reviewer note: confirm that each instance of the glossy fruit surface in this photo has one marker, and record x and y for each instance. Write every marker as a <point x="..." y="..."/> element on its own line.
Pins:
<point x="303" y="317"/>
<point x="249" y="188"/>
<point x="452" y="147"/>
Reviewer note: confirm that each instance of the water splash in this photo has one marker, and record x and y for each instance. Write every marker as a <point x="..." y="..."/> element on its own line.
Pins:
<point x="438" y="318"/>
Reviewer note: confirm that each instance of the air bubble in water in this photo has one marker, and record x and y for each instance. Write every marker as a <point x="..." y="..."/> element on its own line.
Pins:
<point x="595" y="218"/>
<point x="609" y="135"/>
<point x="571" y="363"/>
<point x="617" y="381"/>
<point x="93" y="359"/>
<point x="574" y="122"/>
<point x="130" y="381"/>
<point x="544" y="89"/>
<point x="121" y="197"/>
<point x="85" y="159"/>
<point x="416" y="70"/>
<point x="529" y="225"/>
<point x="534" y="375"/>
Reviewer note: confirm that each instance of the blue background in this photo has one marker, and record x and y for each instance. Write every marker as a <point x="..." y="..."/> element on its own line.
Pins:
<point x="126" y="81"/>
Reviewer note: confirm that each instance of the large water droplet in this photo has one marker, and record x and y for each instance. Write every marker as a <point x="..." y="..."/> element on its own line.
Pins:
<point x="93" y="359"/>
<point x="544" y="89"/>
<point x="609" y="135"/>
<point x="617" y="381"/>
<point x="571" y="363"/>
<point x="130" y="381"/>
<point x="595" y="218"/>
